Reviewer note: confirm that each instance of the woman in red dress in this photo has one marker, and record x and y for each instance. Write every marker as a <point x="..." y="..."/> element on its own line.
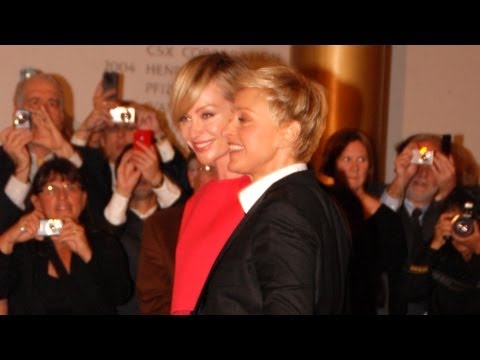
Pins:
<point x="202" y="105"/>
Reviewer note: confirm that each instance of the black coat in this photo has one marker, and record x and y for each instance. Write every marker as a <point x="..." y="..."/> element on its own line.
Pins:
<point x="289" y="255"/>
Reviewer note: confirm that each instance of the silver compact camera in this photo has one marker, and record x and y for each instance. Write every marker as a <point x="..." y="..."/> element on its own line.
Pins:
<point x="422" y="157"/>
<point x="123" y="115"/>
<point x="22" y="119"/>
<point x="462" y="224"/>
<point x="49" y="227"/>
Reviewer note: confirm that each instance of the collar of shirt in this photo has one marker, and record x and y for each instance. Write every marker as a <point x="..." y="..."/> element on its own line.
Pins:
<point x="249" y="196"/>
<point x="409" y="206"/>
<point x="36" y="165"/>
<point x="112" y="173"/>
<point x="146" y="214"/>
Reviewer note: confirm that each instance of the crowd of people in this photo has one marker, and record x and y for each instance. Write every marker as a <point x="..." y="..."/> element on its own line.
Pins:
<point x="113" y="219"/>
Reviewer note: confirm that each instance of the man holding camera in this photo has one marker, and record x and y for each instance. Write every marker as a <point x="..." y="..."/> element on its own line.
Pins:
<point x="24" y="150"/>
<point x="113" y="131"/>
<point x="454" y="266"/>
<point x="416" y="193"/>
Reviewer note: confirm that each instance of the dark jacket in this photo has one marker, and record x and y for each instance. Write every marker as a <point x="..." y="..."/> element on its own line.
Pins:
<point x="289" y="255"/>
<point x="96" y="287"/>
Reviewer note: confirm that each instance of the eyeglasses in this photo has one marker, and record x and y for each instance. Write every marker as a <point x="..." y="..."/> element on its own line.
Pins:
<point x="54" y="190"/>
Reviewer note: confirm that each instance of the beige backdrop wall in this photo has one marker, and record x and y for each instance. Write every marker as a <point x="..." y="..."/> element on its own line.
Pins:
<point x="148" y="69"/>
<point x="434" y="89"/>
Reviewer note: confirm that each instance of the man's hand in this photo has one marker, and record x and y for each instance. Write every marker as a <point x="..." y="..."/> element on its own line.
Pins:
<point x="128" y="174"/>
<point x="15" y="144"/>
<point x="46" y="134"/>
<point x="404" y="172"/>
<point x="147" y="161"/>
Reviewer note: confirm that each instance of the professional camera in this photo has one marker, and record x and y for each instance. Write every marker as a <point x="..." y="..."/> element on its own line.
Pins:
<point x="49" y="227"/>
<point x="22" y="119"/>
<point x="462" y="224"/>
<point x="123" y="115"/>
<point x="422" y="157"/>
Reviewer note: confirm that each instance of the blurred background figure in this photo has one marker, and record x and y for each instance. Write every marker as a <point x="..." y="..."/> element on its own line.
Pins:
<point x="45" y="136"/>
<point x="454" y="266"/>
<point x="157" y="253"/>
<point x="133" y="202"/>
<point x="112" y="133"/>
<point x="417" y="193"/>
<point x="66" y="268"/>
<point x="377" y="233"/>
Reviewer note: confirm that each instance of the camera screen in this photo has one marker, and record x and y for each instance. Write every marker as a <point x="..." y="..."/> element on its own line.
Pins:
<point x="123" y="115"/>
<point x="422" y="156"/>
<point x="50" y="227"/>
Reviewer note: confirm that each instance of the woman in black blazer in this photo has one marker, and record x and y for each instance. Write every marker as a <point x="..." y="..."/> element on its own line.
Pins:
<point x="290" y="253"/>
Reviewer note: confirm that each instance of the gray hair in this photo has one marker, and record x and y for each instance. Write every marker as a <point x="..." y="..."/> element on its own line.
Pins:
<point x="20" y="89"/>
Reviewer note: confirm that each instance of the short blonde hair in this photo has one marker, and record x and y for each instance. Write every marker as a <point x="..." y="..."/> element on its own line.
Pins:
<point x="197" y="73"/>
<point x="291" y="96"/>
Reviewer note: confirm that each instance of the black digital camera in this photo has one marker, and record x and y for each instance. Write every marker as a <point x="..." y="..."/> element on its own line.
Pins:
<point x="462" y="224"/>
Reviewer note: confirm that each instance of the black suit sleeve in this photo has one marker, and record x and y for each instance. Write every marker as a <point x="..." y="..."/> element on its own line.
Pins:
<point x="176" y="170"/>
<point x="97" y="175"/>
<point x="9" y="212"/>
<point x="284" y="257"/>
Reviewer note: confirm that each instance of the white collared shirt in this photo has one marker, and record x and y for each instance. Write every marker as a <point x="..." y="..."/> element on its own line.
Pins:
<point x="249" y="196"/>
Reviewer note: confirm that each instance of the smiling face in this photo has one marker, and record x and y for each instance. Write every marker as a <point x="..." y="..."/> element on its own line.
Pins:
<point x="257" y="145"/>
<point x="201" y="127"/>
<point x="352" y="165"/>
<point x="60" y="199"/>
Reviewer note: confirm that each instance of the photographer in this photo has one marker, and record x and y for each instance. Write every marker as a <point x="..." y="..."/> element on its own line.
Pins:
<point x="50" y="262"/>
<point x="111" y="133"/>
<point x="26" y="148"/>
<point x="454" y="267"/>
<point x="417" y="193"/>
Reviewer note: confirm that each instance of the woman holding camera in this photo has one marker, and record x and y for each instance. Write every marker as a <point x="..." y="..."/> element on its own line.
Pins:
<point x="453" y="265"/>
<point x="60" y="267"/>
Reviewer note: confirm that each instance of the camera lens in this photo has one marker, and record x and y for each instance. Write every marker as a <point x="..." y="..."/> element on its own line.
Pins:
<point x="463" y="227"/>
<point x="126" y="116"/>
<point x="22" y="119"/>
